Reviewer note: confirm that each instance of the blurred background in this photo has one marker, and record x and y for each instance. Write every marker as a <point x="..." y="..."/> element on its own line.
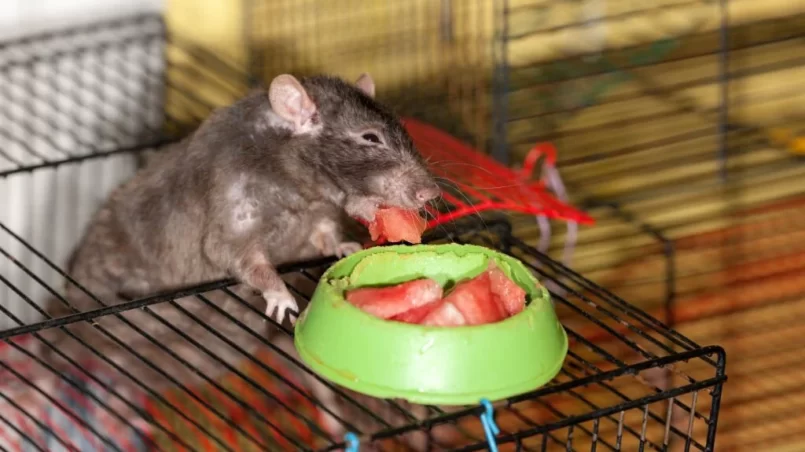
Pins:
<point x="679" y="125"/>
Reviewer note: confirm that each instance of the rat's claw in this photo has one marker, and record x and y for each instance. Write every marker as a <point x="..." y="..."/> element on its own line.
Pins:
<point x="346" y="248"/>
<point x="280" y="301"/>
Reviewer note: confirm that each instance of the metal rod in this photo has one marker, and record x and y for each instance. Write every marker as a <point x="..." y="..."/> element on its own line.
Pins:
<point x="715" y="403"/>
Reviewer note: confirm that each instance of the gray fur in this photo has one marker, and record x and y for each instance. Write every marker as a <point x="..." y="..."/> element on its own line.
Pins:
<point x="174" y="224"/>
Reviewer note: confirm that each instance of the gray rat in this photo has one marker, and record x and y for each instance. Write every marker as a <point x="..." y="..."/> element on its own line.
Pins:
<point x="263" y="182"/>
<point x="255" y="184"/>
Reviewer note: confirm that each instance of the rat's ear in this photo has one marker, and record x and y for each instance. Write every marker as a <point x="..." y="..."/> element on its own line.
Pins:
<point x="290" y="100"/>
<point x="366" y="84"/>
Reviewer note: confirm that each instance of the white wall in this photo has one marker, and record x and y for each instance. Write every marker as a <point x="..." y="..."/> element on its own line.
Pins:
<point x="19" y="18"/>
<point x="65" y="104"/>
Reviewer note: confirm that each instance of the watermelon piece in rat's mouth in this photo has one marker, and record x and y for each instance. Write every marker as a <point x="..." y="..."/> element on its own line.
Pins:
<point x="487" y="298"/>
<point x="397" y="225"/>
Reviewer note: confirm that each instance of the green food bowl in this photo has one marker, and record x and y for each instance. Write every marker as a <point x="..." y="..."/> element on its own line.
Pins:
<point x="427" y="364"/>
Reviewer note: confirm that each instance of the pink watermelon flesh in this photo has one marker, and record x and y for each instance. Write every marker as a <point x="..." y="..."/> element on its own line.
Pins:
<point x="507" y="293"/>
<point x="489" y="297"/>
<point x="473" y="298"/>
<point x="417" y="315"/>
<point x="386" y="302"/>
<point x="446" y="314"/>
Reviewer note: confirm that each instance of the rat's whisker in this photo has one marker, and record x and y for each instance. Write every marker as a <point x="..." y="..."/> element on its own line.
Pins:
<point x="453" y="184"/>
<point x="469" y="203"/>
<point x="447" y="235"/>
<point x="447" y="183"/>
<point x="457" y="191"/>
<point x="477" y="187"/>
<point x="441" y="206"/>
<point x="435" y="164"/>
<point x="452" y="163"/>
<point x="446" y="232"/>
<point x="444" y="179"/>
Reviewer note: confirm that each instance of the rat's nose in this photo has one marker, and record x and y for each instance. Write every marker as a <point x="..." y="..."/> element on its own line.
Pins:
<point x="426" y="194"/>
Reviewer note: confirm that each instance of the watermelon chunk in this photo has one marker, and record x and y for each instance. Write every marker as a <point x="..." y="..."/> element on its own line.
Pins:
<point x="506" y="292"/>
<point x="487" y="298"/>
<point x="446" y="314"/>
<point x="474" y="299"/>
<point x="397" y="225"/>
<point x="417" y="315"/>
<point x="387" y="302"/>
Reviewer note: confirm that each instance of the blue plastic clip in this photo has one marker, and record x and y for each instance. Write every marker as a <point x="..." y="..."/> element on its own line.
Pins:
<point x="353" y="443"/>
<point x="490" y="428"/>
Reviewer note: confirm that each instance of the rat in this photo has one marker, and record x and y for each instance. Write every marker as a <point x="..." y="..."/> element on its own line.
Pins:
<point x="266" y="181"/>
<point x="257" y="183"/>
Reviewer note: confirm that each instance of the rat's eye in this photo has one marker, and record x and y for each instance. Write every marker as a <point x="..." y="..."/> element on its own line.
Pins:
<point x="371" y="137"/>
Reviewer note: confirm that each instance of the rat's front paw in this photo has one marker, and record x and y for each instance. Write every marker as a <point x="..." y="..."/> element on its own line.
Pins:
<point x="280" y="301"/>
<point x="346" y="248"/>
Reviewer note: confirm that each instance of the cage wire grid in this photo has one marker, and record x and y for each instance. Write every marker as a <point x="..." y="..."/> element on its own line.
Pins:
<point x="593" y="403"/>
<point x="590" y="370"/>
<point x="558" y="100"/>
<point x="685" y="143"/>
<point x="681" y="109"/>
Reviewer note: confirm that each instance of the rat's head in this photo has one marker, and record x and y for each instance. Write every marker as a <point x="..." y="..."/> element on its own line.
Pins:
<point x="363" y="148"/>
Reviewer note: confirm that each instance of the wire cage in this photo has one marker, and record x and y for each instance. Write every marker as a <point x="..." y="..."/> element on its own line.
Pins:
<point x="83" y="108"/>
<point x="678" y="126"/>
